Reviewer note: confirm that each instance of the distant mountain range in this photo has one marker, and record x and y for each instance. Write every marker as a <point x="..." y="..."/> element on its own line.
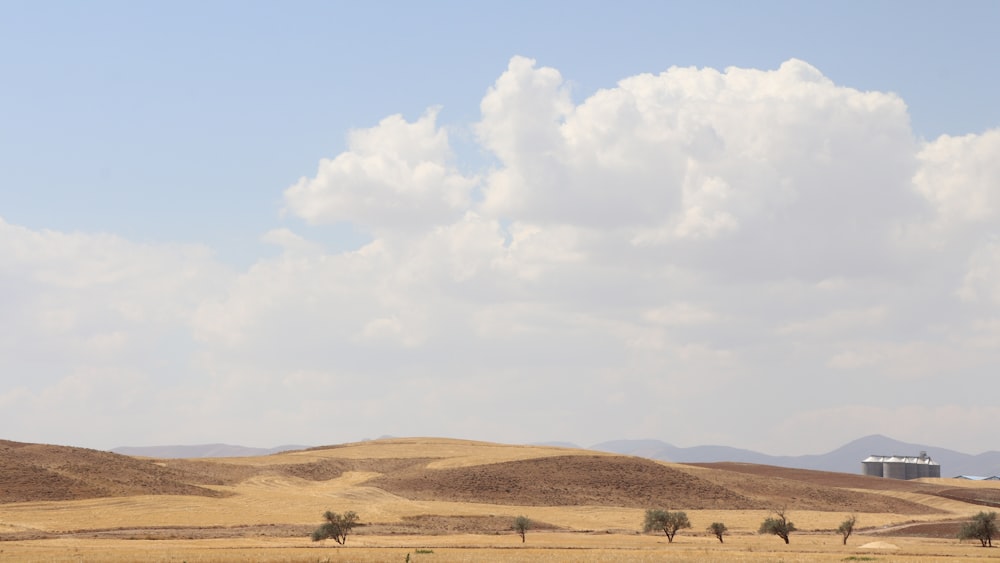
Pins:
<point x="845" y="459"/>
<point x="203" y="450"/>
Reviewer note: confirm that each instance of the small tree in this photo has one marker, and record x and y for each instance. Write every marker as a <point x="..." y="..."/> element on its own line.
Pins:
<point x="337" y="526"/>
<point x="718" y="528"/>
<point x="847" y="527"/>
<point x="669" y="522"/>
<point x="522" y="525"/>
<point x="983" y="528"/>
<point x="779" y="526"/>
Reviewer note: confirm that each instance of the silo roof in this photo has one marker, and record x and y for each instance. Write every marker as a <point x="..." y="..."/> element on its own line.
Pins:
<point x="899" y="459"/>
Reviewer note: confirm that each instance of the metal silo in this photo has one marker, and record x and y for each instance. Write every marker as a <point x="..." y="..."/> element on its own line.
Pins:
<point x="872" y="466"/>
<point x="911" y="467"/>
<point x="924" y="467"/>
<point x="929" y="467"/>
<point x="894" y="468"/>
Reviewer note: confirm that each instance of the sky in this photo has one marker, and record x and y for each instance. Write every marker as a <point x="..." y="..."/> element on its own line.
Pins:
<point x="771" y="225"/>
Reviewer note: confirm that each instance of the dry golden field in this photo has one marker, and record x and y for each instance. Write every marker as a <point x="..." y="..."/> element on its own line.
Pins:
<point x="441" y="500"/>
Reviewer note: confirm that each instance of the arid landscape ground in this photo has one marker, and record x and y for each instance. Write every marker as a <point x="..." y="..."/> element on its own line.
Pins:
<point x="430" y="499"/>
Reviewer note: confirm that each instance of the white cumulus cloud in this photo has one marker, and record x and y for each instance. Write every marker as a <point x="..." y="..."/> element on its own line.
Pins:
<point x="397" y="176"/>
<point x="753" y="252"/>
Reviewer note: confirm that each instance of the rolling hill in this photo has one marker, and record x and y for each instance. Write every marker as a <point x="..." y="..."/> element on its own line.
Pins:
<point x="37" y="472"/>
<point x="395" y="481"/>
<point x="845" y="459"/>
<point x="448" y="497"/>
<point x="202" y="450"/>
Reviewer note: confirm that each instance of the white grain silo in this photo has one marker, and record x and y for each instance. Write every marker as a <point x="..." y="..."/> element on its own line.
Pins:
<point x="872" y="466"/>
<point x="894" y="468"/>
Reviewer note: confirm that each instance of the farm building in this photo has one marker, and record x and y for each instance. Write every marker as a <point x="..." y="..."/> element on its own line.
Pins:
<point x="900" y="467"/>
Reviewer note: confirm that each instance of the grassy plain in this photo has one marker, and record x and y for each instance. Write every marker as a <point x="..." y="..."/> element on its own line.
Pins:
<point x="542" y="546"/>
<point x="268" y="505"/>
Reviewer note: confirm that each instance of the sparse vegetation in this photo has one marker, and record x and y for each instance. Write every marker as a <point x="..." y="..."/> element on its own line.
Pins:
<point x="779" y="525"/>
<point x="521" y="526"/>
<point x="274" y="497"/>
<point x="718" y="529"/>
<point x="337" y="526"/>
<point x="983" y="527"/>
<point x="669" y="522"/>
<point x="847" y="527"/>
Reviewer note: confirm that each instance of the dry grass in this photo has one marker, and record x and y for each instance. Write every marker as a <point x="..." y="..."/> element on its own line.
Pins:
<point x="954" y="507"/>
<point x="965" y="483"/>
<point x="546" y="547"/>
<point x="450" y="452"/>
<point x="276" y="496"/>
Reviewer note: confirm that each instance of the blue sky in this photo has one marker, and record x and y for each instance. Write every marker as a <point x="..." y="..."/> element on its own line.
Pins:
<point x="140" y="117"/>
<point x="173" y="133"/>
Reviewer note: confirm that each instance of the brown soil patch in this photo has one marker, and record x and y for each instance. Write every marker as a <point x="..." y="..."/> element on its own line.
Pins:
<point x="327" y="469"/>
<point x="826" y="478"/>
<point x="984" y="497"/>
<point x="38" y="472"/>
<point x="425" y="524"/>
<point x="31" y="472"/>
<point x="210" y="472"/>
<point x="170" y="533"/>
<point x="204" y="472"/>
<point x="981" y="496"/>
<point x="943" y="530"/>
<point x="567" y="481"/>
<point x="431" y="524"/>
<point x="802" y="489"/>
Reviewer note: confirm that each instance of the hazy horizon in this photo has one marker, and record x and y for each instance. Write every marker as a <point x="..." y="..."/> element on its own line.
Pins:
<point x="771" y="226"/>
<point x="556" y="443"/>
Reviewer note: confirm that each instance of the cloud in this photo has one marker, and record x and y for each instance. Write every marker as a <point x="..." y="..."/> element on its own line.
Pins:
<point x="981" y="283"/>
<point x="393" y="176"/>
<point x="291" y="242"/>
<point x="98" y="286"/>
<point x="734" y="168"/>
<point x="744" y="250"/>
<point x="958" y="176"/>
<point x="837" y="322"/>
<point x="909" y="361"/>
<point x="93" y="327"/>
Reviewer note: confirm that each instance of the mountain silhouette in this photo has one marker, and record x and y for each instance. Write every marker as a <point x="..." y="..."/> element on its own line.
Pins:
<point x="845" y="459"/>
